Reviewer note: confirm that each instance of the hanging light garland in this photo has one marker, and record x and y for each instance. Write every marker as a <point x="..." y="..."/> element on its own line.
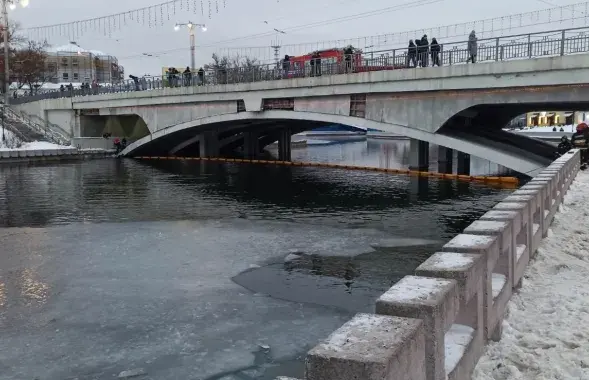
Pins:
<point x="152" y="16"/>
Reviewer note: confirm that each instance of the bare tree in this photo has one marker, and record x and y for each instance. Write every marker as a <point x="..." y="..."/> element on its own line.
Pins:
<point x="234" y="69"/>
<point x="29" y="66"/>
<point x="15" y="40"/>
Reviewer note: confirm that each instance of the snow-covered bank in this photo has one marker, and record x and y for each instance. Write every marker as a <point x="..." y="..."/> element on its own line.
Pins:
<point x="10" y="140"/>
<point x="546" y="331"/>
<point x="37" y="145"/>
<point x="566" y="128"/>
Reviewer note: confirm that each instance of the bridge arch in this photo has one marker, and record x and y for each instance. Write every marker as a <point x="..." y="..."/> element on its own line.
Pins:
<point x="490" y="151"/>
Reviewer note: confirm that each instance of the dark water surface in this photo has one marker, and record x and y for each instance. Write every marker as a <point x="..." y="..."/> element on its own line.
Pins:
<point x="206" y="271"/>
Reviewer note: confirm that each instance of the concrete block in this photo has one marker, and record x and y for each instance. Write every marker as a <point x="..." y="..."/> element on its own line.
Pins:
<point x="517" y="224"/>
<point x="468" y="272"/>
<point x="465" y="243"/>
<point x="536" y="218"/>
<point x="13" y="153"/>
<point x="554" y="183"/>
<point x="434" y="300"/>
<point x="485" y="245"/>
<point x="37" y="153"/>
<point x="525" y="235"/>
<point x="551" y="205"/>
<point x="54" y="152"/>
<point x="370" y="347"/>
<point x="549" y="182"/>
<point x="46" y="152"/>
<point x="503" y="263"/>
<point x="23" y="153"/>
<point x="5" y="154"/>
<point x="537" y="213"/>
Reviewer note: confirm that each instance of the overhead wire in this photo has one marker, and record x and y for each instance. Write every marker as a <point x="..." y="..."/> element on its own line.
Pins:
<point x="490" y="21"/>
<point x="376" y="12"/>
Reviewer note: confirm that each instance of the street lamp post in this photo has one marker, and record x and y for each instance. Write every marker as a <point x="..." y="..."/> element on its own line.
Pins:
<point x="5" y="5"/>
<point x="191" y="27"/>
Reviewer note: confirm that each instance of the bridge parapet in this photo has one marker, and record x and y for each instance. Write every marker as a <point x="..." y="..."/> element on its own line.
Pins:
<point x="551" y="43"/>
<point x="434" y="325"/>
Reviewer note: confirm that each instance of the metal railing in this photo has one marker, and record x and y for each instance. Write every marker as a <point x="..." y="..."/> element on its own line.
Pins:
<point x="515" y="47"/>
<point x="52" y="132"/>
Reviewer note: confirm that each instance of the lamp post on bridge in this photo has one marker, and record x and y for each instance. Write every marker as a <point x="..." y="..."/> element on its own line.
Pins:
<point x="6" y="4"/>
<point x="191" y="26"/>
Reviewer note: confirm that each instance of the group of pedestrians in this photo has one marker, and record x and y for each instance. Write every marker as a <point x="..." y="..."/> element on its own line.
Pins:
<point x="176" y="78"/>
<point x="420" y="51"/>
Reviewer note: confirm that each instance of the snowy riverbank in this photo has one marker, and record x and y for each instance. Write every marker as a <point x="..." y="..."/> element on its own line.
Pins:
<point x="566" y="128"/>
<point x="546" y="331"/>
<point x="36" y="145"/>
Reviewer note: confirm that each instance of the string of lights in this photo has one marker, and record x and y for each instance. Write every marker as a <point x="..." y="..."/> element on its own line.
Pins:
<point x="151" y="16"/>
<point x="563" y="16"/>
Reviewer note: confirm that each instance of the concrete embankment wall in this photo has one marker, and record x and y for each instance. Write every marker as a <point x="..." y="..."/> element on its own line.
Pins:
<point x="42" y="155"/>
<point x="434" y="325"/>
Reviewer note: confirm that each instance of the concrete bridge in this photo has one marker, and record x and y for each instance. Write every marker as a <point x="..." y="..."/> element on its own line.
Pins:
<point x="457" y="107"/>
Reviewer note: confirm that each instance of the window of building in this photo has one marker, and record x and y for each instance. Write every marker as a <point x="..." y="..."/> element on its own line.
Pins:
<point x="65" y="76"/>
<point x="74" y="61"/>
<point x="64" y="61"/>
<point x="76" y="76"/>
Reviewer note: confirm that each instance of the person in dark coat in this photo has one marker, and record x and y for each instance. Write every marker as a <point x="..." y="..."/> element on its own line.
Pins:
<point x="187" y="74"/>
<point x="580" y="140"/>
<point x="412" y="54"/>
<point x="201" y="76"/>
<point x="424" y="51"/>
<point x="418" y="49"/>
<point x="472" y="47"/>
<point x="348" y="53"/>
<point x="285" y="66"/>
<point x="316" y="64"/>
<point x="435" y="52"/>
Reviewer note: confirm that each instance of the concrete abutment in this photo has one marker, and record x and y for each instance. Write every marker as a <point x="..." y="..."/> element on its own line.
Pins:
<point x="209" y="144"/>
<point x="418" y="155"/>
<point x="284" y="145"/>
<point x="435" y="324"/>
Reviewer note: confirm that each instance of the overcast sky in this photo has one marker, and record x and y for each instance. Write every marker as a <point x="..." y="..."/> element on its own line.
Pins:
<point x="246" y="17"/>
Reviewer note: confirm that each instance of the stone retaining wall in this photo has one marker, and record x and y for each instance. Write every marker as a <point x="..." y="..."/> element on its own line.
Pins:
<point x="434" y="325"/>
<point x="66" y="153"/>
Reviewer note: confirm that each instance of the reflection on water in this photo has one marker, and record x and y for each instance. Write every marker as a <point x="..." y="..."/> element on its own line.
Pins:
<point x="384" y="154"/>
<point x="206" y="270"/>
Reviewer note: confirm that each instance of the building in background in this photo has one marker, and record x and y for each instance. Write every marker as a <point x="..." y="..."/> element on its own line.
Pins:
<point x="73" y="64"/>
<point x="555" y="118"/>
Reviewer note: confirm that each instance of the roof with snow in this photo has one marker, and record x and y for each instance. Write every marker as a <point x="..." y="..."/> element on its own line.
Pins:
<point x="74" y="48"/>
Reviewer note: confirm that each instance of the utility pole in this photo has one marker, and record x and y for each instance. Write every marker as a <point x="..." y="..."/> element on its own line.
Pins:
<point x="5" y="4"/>
<point x="6" y="52"/>
<point x="276" y="46"/>
<point x="6" y="68"/>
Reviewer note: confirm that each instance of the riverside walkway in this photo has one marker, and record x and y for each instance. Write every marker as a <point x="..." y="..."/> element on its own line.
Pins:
<point x="436" y="324"/>
<point x="547" y="328"/>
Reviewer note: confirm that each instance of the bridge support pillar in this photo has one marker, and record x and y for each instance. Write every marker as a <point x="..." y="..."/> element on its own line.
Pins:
<point x="445" y="156"/>
<point x="209" y="144"/>
<point x="251" y="145"/>
<point x="462" y="163"/>
<point x="418" y="155"/>
<point x="284" y="145"/>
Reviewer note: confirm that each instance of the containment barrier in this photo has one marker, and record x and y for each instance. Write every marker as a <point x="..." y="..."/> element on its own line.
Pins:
<point x="507" y="182"/>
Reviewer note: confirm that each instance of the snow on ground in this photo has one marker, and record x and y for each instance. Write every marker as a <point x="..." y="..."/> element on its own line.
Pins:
<point x="547" y="329"/>
<point x="567" y="128"/>
<point x="10" y="140"/>
<point x="36" y="145"/>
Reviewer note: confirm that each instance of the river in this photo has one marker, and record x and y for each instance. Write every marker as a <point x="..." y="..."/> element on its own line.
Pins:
<point x="192" y="270"/>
